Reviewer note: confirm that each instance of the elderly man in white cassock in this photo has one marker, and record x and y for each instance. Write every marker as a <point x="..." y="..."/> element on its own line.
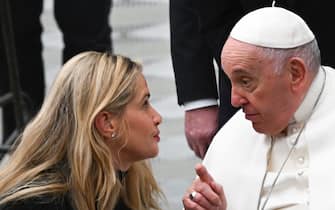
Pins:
<point x="278" y="151"/>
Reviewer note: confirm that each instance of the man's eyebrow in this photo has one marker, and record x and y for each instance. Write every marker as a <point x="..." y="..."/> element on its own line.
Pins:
<point x="240" y="72"/>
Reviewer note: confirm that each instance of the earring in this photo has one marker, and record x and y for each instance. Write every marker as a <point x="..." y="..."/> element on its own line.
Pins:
<point x="113" y="135"/>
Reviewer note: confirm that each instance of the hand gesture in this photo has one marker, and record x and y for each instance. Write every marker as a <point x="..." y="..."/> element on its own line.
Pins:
<point x="204" y="193"/>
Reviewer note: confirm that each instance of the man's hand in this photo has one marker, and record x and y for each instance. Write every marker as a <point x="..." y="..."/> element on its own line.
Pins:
<point x="200" y="127"/>
<point x="205" y="193"/>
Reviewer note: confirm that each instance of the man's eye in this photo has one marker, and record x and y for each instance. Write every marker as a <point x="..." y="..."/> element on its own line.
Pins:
<point x="245" y="81"/>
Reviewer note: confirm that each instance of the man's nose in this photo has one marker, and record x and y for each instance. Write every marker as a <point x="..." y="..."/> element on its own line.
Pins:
<point x="237" y="100"/>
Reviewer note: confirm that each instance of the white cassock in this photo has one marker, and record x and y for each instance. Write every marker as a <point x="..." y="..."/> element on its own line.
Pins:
<point x="237" y="157"/>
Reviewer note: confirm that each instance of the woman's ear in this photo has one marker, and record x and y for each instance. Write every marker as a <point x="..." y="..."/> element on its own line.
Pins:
<point x="297" y="71"/>
<point x="105" y="122"/>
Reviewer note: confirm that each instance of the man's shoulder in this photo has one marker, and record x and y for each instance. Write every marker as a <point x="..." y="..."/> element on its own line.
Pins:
<point x="237" y="125"/>
<point x="237" y="133"/>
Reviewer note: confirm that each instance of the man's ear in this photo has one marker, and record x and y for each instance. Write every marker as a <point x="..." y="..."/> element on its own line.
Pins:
<point x="297" y="72"/>
<point x="106" y="122"/>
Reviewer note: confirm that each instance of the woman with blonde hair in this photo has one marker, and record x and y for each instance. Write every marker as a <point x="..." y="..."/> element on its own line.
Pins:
<point x="88" y="147"/>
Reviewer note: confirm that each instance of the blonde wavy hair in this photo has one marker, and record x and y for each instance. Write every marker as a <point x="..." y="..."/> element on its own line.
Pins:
<point x="61" y="151"/>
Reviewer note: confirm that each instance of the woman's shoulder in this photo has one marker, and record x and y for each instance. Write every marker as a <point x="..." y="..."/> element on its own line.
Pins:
<point x="39" y="203"/>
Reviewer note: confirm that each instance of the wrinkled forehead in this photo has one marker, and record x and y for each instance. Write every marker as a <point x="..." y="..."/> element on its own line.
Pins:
<point x="238" y="50"/>
<point x="241" y="56"/>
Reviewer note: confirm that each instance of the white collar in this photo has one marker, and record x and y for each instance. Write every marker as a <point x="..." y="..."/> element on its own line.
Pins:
<point x="306" y="107"/>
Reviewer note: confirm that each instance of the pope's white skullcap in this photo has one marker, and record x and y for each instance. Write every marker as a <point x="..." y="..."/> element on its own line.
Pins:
<point x="273" y="27"/>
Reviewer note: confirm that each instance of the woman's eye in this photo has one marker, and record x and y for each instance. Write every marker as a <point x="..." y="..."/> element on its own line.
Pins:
<point x="146" y="103"/>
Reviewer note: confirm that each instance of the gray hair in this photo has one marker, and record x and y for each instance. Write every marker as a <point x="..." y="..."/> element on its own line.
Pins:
<point x="309" y="52"/>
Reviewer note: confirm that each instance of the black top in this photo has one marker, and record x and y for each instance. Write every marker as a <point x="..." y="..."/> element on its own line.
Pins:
<point x="48" y="204"/>
<point x="34" y="203"/>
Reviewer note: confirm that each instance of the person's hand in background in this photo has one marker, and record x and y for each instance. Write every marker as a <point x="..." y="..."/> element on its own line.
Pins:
<point x="200" y="127"/>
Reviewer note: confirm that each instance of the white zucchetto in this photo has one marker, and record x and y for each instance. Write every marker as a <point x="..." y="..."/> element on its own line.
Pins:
<point x="272" y="27"/>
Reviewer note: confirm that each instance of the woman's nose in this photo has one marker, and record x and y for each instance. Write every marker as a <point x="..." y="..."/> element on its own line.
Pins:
<point x="156" y="117"/>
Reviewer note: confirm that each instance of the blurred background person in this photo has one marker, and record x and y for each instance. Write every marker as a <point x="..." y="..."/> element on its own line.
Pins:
<point x="84" y="26"/>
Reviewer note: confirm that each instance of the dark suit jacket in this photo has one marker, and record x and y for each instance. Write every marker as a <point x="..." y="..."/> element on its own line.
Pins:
<point x="200" y="28"/>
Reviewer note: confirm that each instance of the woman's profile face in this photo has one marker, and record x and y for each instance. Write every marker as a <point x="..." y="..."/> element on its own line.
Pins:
<point x="142" y="125"/>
